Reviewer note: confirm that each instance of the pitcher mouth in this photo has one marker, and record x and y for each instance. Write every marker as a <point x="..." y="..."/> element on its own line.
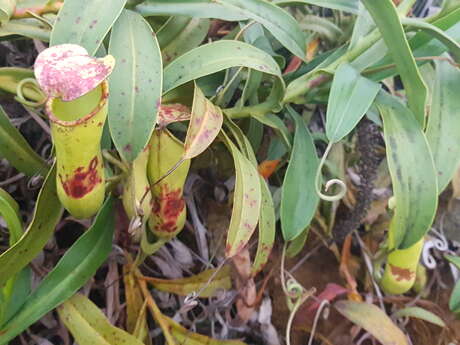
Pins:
<point x="102" y="102"/>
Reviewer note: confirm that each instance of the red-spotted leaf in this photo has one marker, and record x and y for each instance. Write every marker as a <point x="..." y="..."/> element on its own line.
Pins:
<point x="246" y="202"/>
<point x="68" y="72"/>
<point x="205" y="123"/>
<point x="135" y="84"/>
<point x="170" y="113"/>
<point x="267" y="229"/>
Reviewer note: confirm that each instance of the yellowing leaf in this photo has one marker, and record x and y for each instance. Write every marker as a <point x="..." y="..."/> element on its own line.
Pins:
<point x="209" y="279"/>
<point x="89" y="326"/>
<point x="134" y="299"/>
<point x="267" y="229"/>
<point x="184" y="336"/>
<point x="170" y="113"/>
<point x="246" y="202"/>
<point x="205" y="123"/>
<point x="373" y="320"/>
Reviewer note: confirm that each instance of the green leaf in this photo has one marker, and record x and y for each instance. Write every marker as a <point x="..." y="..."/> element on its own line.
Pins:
<point x="296" y="246"/>
<point x="9" y="210"/>
<point x="276" y="123"/>
<point x="408" y="156"/>
<point x="135" y="84"/>
<point x="17" y="150"/>
<point x="204" y="126"/>
<point x="171" y="29"/>
<point x="361" y="27"/>
<point x="20" y="288"/>
<point x="443" y="128"/>
<point x="350" y="97"/>
<point x="432" y="30"/>
<point x="276" y="20"/>
<point x="191" y="36"/>
<point x="10" y="293"/>
<point x="191" y="8"/>
<point x="351" y="6"/>
<point x="246" y="202"/>
<point x="387" y="20"/>
<point x="299" y="199"/>
<point x="74" y="269"/>
<point x="271" y="104"/>
<point x="267" y="229"/>
<point x="421" y="314"/>
<point x="423" y="45"/>
<point x="454" y="260"/>
<point x="373" y="320"/>
<point x="214" y="57"/>
<point x="89" y="326"/>
<point x="6" y="10"/>
<point x="27" y="27"/>
<point x="454" y="301"/>
<point x="252" y="84"/>
<point x="279" y="22"/>
<point x="85" y="22"/>
<point x="47" y="214"/>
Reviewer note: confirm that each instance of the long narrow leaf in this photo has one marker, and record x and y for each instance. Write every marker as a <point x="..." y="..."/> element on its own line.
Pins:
<point x="443" y="129"/>
<point x="17" y="150"/>
<point x="246" y="202"/>
<point x="48" y="211"/>
<point x="267" y="229"/>
<point x="276" y="20"/>
<point x="135" y="84"/>
<point x="191" y="8"/>
<point x="279" y="22"/>
<point x="412" y="173"/>
<point x="6" y="10"/>
<point x="299" y="199"/>
<point x="373" y="320"/>
<point x="350" y="97"/>
<point x="89" y="325"/>
<point x="214" y="57"/>
<point x="437" y="33"/>
<point x="205" y="123"/>
<point x="73" y="270"/>
<point x="351" y="6"/>
<point x="386" y="17"/>
<point x="85" y="22"/>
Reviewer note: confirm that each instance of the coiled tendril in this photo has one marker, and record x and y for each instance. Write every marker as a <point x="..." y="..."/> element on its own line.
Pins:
<point x="330" y="183"/>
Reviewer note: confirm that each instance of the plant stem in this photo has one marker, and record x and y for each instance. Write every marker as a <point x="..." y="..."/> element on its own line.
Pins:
<point x="303" y="84"/>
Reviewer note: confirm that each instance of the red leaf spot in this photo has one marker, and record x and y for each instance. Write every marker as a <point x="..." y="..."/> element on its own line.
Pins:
<point x="167" y="208"/>
<point x="83" y="180"/>
<point x="401" y="273"/>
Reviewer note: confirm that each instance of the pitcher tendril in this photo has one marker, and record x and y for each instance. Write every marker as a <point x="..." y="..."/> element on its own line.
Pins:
<point x="330" y="183"/>
<point x="20" y="93"/>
